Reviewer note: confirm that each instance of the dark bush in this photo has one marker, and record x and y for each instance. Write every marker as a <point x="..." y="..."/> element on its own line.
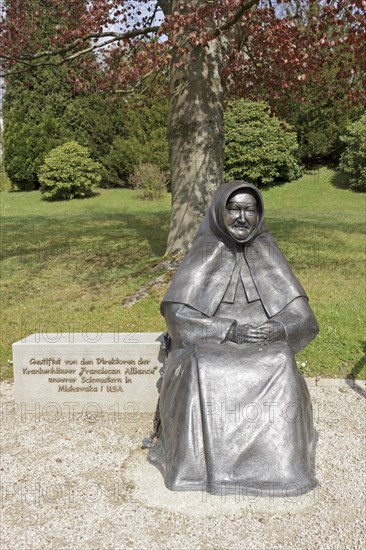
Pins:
<point x="353" y="159"/>
<point x="119" y="164"/>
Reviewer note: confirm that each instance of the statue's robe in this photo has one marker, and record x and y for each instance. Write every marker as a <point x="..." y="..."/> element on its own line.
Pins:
<point x="235" y="418"/>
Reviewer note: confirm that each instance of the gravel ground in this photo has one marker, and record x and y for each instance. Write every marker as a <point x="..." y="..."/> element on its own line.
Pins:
<point x="84" y="483"/>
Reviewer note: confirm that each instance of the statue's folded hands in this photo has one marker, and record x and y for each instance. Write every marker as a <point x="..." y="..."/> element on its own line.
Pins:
<point x="249" y="334"/>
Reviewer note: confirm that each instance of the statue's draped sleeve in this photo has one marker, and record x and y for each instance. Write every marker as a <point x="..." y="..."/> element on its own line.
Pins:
<point x="299" y="323"/>
<point x="187" y="326"/>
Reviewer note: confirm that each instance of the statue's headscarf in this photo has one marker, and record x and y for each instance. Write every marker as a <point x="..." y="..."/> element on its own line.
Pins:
<point x="206" y="272"/>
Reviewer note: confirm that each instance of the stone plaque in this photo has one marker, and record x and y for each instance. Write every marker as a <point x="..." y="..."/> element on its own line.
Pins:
<point x="109" y="371"/>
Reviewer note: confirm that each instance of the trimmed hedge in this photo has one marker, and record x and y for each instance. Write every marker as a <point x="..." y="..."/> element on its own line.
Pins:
<point x="259" y="147"/>
<point x="68" y="172"/>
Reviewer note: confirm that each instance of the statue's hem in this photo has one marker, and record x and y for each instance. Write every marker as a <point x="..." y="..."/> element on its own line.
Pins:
<point x="258" y="489"/>
<point x="252" y="490"/>
<point x="241" y="489"/>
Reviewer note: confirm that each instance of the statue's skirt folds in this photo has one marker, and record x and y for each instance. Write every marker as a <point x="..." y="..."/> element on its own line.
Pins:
<point x="235" y="419"/>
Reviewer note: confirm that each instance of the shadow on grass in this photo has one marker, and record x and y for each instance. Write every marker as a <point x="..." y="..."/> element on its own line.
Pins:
<point x="48" y="237"/>
<point x="340" y="180"/>
<point x="90" y="195"/>
<point x="355" y="371"/>
<point x="292" y="231"/>
<point x="110" y="229"/>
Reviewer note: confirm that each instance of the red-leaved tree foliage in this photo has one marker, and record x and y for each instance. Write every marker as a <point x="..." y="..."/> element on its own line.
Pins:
<point x="262" y="49"/>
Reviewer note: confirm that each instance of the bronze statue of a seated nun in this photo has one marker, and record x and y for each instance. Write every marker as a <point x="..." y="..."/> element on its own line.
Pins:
<point x="235" y="411"/>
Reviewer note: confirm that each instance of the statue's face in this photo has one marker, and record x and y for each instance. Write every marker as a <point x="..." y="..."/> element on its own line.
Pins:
<point x="241" y="215"/>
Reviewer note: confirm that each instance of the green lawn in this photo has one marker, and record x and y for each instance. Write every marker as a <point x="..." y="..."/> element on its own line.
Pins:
<point x="68" y="266"/>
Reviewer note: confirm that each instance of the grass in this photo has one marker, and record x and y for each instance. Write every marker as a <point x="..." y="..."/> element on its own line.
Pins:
<point x="68" y="266"/>
<point x="5" y="183"/>
<point x="321" y="229"/>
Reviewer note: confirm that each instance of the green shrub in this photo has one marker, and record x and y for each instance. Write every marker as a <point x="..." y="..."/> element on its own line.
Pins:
<point x="156" y="149"/>
<point x="68" y="172"/>
<point x="26" y="143"/>
<point x="151" y="180"/>
<point x="33" y="108"/>
<point x="258" y="147"/>
<point x="353" y="159"/>
<point x="41" y="112"/>
<point x="319" y="128"/>
<point x="119" y="164"/>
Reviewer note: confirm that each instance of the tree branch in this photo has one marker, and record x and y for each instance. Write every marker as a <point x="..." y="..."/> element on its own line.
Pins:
<point x="166" y="6"/>
<point x="147" y="88"/>
<point x="115" y="37"/>
<point x="151" y="20"/>
<point x="239" y="14"/>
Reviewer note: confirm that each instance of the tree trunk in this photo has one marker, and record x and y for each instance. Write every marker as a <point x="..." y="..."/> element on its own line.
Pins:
<point x="196" y="139"/>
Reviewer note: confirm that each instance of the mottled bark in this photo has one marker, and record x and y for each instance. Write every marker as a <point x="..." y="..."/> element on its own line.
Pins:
<point x="196" y="139"/>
